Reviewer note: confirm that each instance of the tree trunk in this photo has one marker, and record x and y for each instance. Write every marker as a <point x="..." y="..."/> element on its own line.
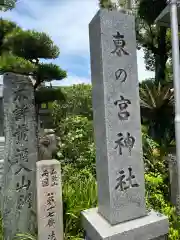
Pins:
<point x="161" y="56"/>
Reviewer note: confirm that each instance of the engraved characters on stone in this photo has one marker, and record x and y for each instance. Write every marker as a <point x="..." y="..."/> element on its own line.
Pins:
<point x="124" y="142"/>
<point x="50" y="209"/>
<point x="124" y="183"/>
<point x="52" y="236"/>
<point x="121" y="75"/>
<point x="20" y="158"/>
<point x="21" y="103"/>
<point x="123" y="103"/>
<point x="120" y="45"/>
<point x="49" y="178"/>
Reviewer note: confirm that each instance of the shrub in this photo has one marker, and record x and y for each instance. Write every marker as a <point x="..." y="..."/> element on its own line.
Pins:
<point x="156" y="199"/>
<point x="77" y="146"/>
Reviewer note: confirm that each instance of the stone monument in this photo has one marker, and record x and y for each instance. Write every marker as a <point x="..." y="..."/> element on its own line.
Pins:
<point x="2" y="143"/>
<point x="19" y="185"/>
<point x="1" y="111"/>
<point x="2" y="140"/>
<point x="49" y="200"/>
<point x="121" y="212"/>
<point x="173" y="179"/>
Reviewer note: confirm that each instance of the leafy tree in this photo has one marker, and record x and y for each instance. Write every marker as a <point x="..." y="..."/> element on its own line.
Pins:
<point x="77" y="145"/>
<point x="155" y="40"/>
<point x="78" y="101"/>
<point x="21" y="52"/>
<point x="7" y="4"/>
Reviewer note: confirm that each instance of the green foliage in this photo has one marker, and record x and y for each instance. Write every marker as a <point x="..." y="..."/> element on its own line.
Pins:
<point x="150" y="154"/>
<point x="157" y="184"/>
<point x="21" y="51"/>
<point x="6" y="27"/>
<point x="78" y="102"/>
<point x="155" y="188"/>
<point x="7" y="4"/>
<point x="154" y="191"/>
<point x="30" y="44"/>
<point x="149" y="60"/>
<point x="106" y="4"/>
<point x="79" y="193"/>
<point x="25" y="236"/>
<point x="1" y="228"/>
<point x="157" y="110"/>
<point x="48" y="94"/>
<point x="154" y="39"/>
<point x="149" y="10"/>
<point x="77" y="156"/>
<point x="46" y="71"/>
<point x="77" y="145"/>
<point x="11" y="63"/>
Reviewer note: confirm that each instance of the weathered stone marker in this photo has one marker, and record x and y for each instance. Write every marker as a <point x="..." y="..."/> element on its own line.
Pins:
<point x="121" y="212"/>
<point x="19" y="188"/>
<point x="49" y="200"/>
<point x="2" y="143"/>
<point x="173" y="178"/>
<point x="1" y="112"/>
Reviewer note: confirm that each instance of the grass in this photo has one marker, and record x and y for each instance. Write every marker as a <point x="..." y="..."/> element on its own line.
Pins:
<point x="79" y="193"/>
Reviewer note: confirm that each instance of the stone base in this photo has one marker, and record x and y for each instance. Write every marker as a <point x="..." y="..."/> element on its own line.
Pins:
<point x="153" y="226"/>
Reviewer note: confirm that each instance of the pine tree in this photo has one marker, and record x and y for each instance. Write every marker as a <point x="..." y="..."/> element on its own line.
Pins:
<point x="21" y="52"/>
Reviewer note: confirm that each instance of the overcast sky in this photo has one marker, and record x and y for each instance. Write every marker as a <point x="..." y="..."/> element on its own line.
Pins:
<point x="66" y="21"/>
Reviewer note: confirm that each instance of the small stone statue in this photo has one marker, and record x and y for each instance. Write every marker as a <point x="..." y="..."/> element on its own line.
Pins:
<point x="48" y="144"/>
